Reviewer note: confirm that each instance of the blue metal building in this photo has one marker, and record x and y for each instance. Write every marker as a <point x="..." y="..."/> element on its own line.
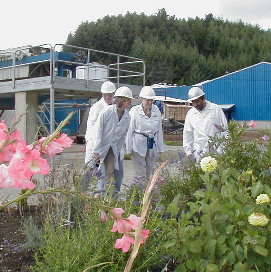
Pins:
<point x="249" y="89"/>
<point x="179" y="92"/>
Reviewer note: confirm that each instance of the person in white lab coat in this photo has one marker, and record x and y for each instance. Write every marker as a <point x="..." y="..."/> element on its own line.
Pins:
<point x="109" y="135"/>
<point x="108" y="91"/>
<point x="145" y="136"/>
<point x="203" y="120"/>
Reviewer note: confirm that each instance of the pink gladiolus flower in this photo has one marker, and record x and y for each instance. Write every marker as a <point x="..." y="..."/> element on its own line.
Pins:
<point x="117" y="212"/>
<point x="53" y="148"/>
<point x="36" y="164"/>
<point x="124" y="243"/>
<point x="144" y="235"/>
<point x="3" y="125"/>
<point x="3" y="138"/>
<point x="64" y="140"/>
<point x="265" y="138"/>
<point x="103" y="216"/>
<point x="134" y="220"/>
<point x="5" y="180"/>
<point x="122" y="225"/>
<point x="252" y="124"/>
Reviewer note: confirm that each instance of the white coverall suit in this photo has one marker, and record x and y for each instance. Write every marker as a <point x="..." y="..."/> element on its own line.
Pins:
<point x="92" y="118"/>
<point x="199" y="126"/>
<point x="140" y="127"/>
<point x="109" y="137"/>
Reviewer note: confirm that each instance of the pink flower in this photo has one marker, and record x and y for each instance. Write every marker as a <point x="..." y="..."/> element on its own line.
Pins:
<point x="53" y="148"/>
<point x="3" y="138"/>
<point x="144" y="235"/>
<point x="103" y="216"/>
<point x="134" y="220"/>
<point x="122" y="225"/>
<point x="36" y="164"/>
<point x="5" y="180"/>
<point x="3" y="125"/>
<point x="117" y="212"/>
<point x="124" y="243"/>
<point x="265" y="138"/>
<point x="64" y="140"/>
<point x="252" y="124"/>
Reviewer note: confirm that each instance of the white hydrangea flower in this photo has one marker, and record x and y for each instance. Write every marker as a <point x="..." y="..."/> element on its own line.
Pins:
<point x="262" y="199"/>
<point x="208" y="164"/>
<point x="258" y="219"/>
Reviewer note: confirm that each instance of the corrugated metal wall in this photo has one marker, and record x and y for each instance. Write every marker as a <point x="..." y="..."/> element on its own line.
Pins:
<point x="179" y="92"/>
<point x="249" y="89"/>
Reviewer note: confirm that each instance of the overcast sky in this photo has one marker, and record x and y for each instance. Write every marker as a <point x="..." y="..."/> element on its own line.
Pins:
<point x="34" y="22"/>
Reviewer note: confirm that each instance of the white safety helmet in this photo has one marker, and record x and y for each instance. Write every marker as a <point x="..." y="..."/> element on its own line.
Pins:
<point x="195" y="93"/>
<point x="108" y="87"/>
<point x="147" y="92"/>
<point x="124" y="92"/>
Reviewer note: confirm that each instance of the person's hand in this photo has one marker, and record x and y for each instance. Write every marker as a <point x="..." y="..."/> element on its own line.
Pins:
<point x="96" y="157"/>
<point x="190" y="157"/>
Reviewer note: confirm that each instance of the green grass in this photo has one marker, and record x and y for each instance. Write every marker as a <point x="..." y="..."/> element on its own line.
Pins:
<point x="174" y="143"/>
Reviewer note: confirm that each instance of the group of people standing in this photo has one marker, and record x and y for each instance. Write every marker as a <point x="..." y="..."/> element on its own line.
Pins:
<point x="112" y="131"/>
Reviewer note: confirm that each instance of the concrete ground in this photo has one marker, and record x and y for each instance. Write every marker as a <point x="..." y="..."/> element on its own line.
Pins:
<point x="73" y="159"/>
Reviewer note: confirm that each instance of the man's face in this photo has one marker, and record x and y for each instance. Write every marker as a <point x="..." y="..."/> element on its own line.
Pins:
<point x="199" y="103"/>
<point x="108" y="98"/>
<point x="123" y="102"/>
<point x="147" y="103"/>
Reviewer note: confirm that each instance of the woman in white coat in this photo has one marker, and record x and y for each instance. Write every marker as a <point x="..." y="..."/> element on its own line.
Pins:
<point x="145" y="136"/>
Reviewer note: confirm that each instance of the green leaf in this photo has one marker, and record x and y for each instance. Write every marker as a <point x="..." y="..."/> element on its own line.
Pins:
<point x="230" y="258"/>
<point x="261" y="250"/>
<point x="210" y="248"/>
<point x="173" y="207"/>
<point x="190" y="264"/>
<point x="205" y="177"/>
<point x="257" y="189"/>
<point x="239" y="267"/>
<point x="195" y="247"/>
<point x="199" y="194"/>
<point x="180" y="268"/>
<point x="220" y="218"/>
<point x="169" y="244"/>
<point x="212" y="268"/>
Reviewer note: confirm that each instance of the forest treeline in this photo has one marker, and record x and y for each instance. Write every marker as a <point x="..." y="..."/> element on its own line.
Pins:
<point x="177" y="51"/>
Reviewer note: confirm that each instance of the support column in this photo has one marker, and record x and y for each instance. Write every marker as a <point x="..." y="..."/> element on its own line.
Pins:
<point x="27" y="102"/>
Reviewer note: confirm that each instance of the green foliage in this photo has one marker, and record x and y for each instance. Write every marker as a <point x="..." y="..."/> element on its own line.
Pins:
<point x="177" y="51"/>
<point x="90" y="243"/>
<point x="210" y="231"/>
<point x="33" y="232"/>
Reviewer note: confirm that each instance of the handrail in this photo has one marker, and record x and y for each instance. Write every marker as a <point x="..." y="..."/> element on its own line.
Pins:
<point x="54" y="65"/>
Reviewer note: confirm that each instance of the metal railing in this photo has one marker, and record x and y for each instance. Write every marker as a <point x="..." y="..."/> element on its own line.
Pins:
<point x="117" y="66"/>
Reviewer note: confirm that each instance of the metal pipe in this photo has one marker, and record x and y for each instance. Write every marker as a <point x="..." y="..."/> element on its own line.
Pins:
<point x="88" y="69"/>
<point x="13" y="67"/>
<point x="127" y="62"/>
<point x="118" y="73"/>
<point x="144" y="73"/>
<point x="99" y="51"/>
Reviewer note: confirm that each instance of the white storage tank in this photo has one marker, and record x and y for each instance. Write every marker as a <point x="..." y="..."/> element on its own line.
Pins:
<point x="97" y="72"/>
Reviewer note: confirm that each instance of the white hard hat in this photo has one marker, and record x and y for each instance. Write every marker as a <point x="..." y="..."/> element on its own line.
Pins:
<point x="124" y="92"/>
<point x="147" y="92"/>
<point x="194" y="93"/>
<point x="108" y="87"/>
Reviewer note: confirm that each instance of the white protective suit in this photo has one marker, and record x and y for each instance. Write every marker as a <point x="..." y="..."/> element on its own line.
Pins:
<point x="92" y="118"/>
<point x="109" y="132"/>
<point x="200" y="125"/>
<point x="136" y="140"/>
